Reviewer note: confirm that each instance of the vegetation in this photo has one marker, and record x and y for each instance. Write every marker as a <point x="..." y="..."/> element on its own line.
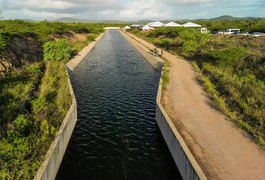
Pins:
<point x="57" y="50"/>
<point x="231" y="68"/>
<point x="35" y="96"/>
<point x="165" y="76"/>
<point x="247" y="24"/>
<point x="28" y="137"/>
<point x="14" y="91"/>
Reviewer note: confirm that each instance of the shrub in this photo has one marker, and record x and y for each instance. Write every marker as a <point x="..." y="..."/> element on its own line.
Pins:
<point x="21" y="128"/>
<point x="23" y="124"/>
<point x="57" y="50"/>
<point x="38" y="105"/>
<point x="192" y="41"/>
<point x="229" y="56"/>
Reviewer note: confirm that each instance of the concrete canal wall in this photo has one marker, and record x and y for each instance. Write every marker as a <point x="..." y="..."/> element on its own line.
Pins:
<point x="49" y="168"/>
<point x="153" y="60"/>
<point x="82" y="54"/>
<point x="186" y="163"/>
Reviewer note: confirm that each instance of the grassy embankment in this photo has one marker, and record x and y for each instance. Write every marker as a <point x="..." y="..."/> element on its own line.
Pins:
<point x="35" y="97"/>
<point x="231" y="68"/>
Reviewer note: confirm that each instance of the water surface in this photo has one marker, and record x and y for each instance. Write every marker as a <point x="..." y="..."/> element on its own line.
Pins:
<point x="116" y="136"/>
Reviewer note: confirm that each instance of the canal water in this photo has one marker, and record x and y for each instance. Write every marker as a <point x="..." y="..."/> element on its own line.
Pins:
<point x="116" y="136"/>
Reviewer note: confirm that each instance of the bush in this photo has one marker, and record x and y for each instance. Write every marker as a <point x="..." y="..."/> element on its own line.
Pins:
<point x="192" y="41"/>
<point x="38" y="105"/>
<point x="57" y="50"/>
<point x="229" y="56"/>
<point x="21" y="128"/>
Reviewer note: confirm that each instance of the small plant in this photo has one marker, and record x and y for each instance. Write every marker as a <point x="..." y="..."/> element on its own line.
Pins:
<point x="57" y="50"/>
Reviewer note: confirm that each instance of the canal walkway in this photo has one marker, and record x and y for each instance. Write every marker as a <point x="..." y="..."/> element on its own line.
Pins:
<point x="222" y="150"/>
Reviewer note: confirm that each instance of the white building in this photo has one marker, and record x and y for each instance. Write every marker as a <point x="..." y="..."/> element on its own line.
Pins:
<point x="172" y="24"/>
<point x="127" y="28"/>
<point x="190" y="24"/>
<point x="156" y="24"/>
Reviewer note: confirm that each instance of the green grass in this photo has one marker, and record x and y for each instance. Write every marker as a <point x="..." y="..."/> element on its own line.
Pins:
<point x="79" y="45"/>
<point x="14" y="90"/>
<point x="29" y="136"/>
<point x="165" y="76"/>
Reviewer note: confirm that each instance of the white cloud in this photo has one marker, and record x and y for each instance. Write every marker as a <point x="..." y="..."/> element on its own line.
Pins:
<point x="144" y="9"/>
<point x="129" y="9"/>
<point x="27" y="14"/>
<point x="186" y="2"/>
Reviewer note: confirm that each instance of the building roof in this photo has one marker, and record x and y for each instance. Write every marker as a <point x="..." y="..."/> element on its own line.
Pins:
<point x="156" y="24"/>
<point x="190" y="24"/>
<point x="173" y="24"/>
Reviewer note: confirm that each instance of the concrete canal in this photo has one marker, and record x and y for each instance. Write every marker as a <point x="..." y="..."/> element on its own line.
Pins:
<point x="116" y="136"/>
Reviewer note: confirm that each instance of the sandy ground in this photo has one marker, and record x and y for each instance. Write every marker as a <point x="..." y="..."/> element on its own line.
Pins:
<point x="221" y="149"/>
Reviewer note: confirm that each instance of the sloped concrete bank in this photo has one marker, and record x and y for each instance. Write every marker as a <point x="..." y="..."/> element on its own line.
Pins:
<point x="155" y="61"/>
<point x="49" y="168"/>
<point x="186" y="163"/>
<point x="82" y="54"/>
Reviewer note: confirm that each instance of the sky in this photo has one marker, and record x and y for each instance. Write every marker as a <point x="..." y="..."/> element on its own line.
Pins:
<point x="129" y="9"/>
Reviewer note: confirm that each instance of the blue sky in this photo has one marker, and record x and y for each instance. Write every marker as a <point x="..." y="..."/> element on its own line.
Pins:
<point x="129" y="9"/>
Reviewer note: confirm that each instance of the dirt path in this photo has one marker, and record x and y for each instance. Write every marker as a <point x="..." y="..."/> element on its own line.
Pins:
<point x="222" y="150"/>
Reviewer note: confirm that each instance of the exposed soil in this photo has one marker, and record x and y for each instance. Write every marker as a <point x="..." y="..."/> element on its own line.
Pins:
<point x="221" y="149"/>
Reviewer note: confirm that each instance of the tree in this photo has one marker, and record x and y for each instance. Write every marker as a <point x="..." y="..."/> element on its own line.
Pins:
<point x="193" y="41"/>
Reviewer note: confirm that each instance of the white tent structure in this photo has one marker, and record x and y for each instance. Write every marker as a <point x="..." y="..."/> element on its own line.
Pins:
<point x="127" y="27"/>
<point x="147" y="28"/>
<point x="156" y="24"/>
<point x="172" y="24"/>
<point x="190" y="24"/>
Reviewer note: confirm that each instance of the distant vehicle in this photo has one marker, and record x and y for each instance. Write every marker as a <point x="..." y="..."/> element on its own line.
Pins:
<point x="232" y="31"/>
<point x="214" y="32"/>
<point x="257" y="34"/>
<point x="245" y="33"/>
<point x="204" y="30"/>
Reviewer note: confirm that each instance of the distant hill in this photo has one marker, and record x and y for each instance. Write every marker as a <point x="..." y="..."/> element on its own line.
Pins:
<point x="71" y="20"/>
<point x="220" y="18"/>
<point x="230" y="18"/>
<point x="225" y="18"/>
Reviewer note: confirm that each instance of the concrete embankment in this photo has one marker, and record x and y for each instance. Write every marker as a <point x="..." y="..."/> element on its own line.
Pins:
<point x="81" y="55"/>
<point x="49" y="168"/>
<point x="153" y="59"/>
<point x="186" y="163"/>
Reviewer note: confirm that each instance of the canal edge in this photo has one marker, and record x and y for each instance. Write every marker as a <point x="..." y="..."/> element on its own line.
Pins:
<point x="155" y="61"/>
<point x="185" y="161"/>
<point x="54" y="156"/>
<point x="74" y="62"/>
